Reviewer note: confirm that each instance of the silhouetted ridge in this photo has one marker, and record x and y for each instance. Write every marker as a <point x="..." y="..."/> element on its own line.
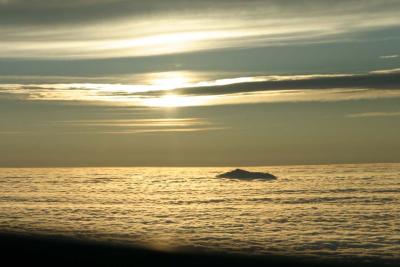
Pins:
<point x="243" y="174"/>
<point x="36" y="250"/>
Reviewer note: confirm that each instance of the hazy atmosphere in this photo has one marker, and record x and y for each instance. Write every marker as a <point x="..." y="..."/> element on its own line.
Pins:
<point x="200" y="133"/>
<point x="198" y="83"/>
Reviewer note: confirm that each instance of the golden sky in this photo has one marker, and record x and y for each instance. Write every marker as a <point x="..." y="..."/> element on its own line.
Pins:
<point x="168" y="82"/>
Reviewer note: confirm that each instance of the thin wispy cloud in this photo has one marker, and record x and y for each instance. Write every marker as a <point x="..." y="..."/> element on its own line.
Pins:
<point x="156" y="131"/>
<point x="297" y="96"/>
<point x="137" y="126"/>
<point x="386" y="71"/>
<point x="43" y="29"/>
<point x="374" y="114"/>
<point x="389" y="56"/>
<point x="122" y="126"/>
<point x="137" y="123"/>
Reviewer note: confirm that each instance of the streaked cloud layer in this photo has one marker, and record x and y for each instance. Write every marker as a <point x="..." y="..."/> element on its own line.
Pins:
<point x="180" y="89"/>
<point x="119" y="28"/>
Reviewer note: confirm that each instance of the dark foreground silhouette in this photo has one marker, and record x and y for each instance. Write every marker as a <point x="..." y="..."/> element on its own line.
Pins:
<point x="246" y="175"/>
<point x="34" y="250"/>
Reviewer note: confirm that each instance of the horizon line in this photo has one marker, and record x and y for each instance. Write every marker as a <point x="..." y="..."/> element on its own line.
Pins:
<point x="191" y="166"/>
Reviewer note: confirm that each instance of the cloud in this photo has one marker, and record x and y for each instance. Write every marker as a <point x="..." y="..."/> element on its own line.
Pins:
<point x="78" y="11"/>
<point x="389" y="56"/>
<point x="155" y="131"/>
<point x="296" y="96"/>
<point x="137" y="123"/>
<point x="137" y="126"/>
<point x="124" y="126"/>
<point x="178" y="91"/>
<point x="374" y="114"/>
<point x="118" y="28"/>
<point x="344" y="81"/>
<point x="387" y="71"/>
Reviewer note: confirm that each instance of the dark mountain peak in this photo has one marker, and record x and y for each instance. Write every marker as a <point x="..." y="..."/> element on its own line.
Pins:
<point x="243" y="174"/>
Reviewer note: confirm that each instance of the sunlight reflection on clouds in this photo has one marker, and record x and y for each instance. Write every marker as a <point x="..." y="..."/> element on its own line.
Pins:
<point x="185" y="89"/>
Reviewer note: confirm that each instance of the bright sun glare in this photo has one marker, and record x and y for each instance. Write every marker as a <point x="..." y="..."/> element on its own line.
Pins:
<point x="171" y="80"/>
<point x="170" y="101"/>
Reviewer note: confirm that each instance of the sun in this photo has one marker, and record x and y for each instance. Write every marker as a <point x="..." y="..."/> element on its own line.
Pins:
<point x="170" y="79"/>
<point x="171" y="101"/>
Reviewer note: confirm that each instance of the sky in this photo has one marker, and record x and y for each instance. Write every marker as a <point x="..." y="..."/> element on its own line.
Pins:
<point x="199" y="83"/>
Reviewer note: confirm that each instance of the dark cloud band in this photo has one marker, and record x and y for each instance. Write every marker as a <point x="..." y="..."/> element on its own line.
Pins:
<point x="365" y="81"/>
